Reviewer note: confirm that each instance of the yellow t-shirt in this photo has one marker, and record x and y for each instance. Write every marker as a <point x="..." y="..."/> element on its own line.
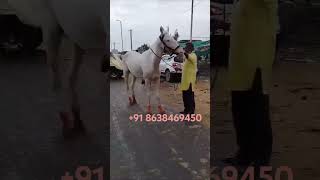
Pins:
<point x="189" y="72"/>
<point x="252" y="43"/>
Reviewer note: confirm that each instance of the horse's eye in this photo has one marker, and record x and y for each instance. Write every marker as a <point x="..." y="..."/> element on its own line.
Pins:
<point x="168" y="40"/>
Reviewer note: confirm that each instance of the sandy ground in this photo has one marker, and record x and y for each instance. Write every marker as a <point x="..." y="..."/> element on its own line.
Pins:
<point x="171" y="94"/>
<point x="295" y="103"/>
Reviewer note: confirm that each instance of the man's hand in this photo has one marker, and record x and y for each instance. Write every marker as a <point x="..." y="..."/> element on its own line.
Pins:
<point x="187" y="55"/>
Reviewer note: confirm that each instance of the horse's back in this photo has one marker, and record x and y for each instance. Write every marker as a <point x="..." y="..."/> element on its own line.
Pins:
<point x="84" y="22"/>
<point x="33" y="12"/>
<point x="132" y="61"/>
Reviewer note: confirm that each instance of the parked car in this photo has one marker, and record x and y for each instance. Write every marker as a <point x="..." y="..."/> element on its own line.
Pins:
<point x="170" y="69"/>
<point x="15" y="35"/>
<point x="115" y="66"/>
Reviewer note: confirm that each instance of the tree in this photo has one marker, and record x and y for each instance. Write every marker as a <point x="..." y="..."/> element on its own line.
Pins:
<point x="143" y="48"/>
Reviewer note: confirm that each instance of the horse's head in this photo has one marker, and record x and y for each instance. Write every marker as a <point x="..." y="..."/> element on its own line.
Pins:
<point x="170" y="42"/>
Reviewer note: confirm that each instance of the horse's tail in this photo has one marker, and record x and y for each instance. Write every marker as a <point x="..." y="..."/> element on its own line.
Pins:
<point x="121" y="56"/>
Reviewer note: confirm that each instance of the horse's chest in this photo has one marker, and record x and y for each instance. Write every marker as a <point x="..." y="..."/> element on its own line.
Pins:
<point x="151" y="73"/>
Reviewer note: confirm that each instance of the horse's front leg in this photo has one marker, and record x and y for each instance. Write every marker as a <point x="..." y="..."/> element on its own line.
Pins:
<point x="148" y="86"/>
<point x="157" y="89"/>
<point x="54" y="62"/>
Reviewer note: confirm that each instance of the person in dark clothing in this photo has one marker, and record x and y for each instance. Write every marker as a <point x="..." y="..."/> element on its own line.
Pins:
<point x="188" y="79"/>
<point x="188" y="101"/>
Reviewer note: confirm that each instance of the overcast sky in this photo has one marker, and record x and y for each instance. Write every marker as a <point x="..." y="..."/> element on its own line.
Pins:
<point x="146" y="16"/>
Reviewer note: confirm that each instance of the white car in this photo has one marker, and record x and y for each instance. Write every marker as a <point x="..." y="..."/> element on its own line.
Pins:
<point x="170" y="69"/>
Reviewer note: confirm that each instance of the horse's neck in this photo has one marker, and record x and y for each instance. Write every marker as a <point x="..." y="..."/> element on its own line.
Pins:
<point x="157" y="48"/>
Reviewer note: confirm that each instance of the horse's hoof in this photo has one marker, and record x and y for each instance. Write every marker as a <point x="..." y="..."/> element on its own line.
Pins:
<point x="71" y="127"/>
<point x="132" y="101"/>
<point x="161" y="110"/>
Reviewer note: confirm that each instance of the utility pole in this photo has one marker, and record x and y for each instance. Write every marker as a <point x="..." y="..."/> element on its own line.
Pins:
<point x="191" y="21"/>
<point x="131" y="38"/>
<point x="121" y="33"/>
<point x="114" y="45"/>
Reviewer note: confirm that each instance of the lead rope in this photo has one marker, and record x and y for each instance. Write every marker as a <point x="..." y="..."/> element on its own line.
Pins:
<point x="160" y="58"/>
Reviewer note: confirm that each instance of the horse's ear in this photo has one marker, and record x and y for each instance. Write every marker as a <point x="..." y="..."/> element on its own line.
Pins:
<point x="176" y="35"/>
<point x="161" y="30"/>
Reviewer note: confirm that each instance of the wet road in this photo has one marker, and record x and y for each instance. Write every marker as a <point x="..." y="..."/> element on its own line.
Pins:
<point x="151" y="151"/>
<point x="31" y="144"/>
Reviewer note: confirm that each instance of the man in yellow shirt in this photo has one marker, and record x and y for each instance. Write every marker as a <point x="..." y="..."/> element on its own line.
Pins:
<point x="252" y="49"/>
<point x="188" y="79"/>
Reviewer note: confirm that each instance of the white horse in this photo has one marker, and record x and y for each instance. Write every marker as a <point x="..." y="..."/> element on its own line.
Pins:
<point x="146" y="66"/>
<point x="81" y="21"/>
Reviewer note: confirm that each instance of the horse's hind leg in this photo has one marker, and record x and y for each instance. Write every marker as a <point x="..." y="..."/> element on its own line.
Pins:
<point x="132" y="85"/>
<point x="77" y="61"/>
<point x="54" y="61"/>
<point x="126" y="74"/>
<point x="130" y="89"/>
<point x="70" y="113"/>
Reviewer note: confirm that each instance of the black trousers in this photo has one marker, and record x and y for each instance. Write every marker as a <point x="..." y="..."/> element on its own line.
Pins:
<point x="188" y="100"/>
<point x="250" y="110"/>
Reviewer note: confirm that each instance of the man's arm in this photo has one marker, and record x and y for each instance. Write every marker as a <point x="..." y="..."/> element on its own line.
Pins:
<point x="186" y="55"/>
<point x="191" y="58"/>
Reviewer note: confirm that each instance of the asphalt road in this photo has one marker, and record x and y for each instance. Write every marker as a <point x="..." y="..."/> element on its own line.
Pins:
<point x="30" y="132"/>
<point x="152" y="151"/>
